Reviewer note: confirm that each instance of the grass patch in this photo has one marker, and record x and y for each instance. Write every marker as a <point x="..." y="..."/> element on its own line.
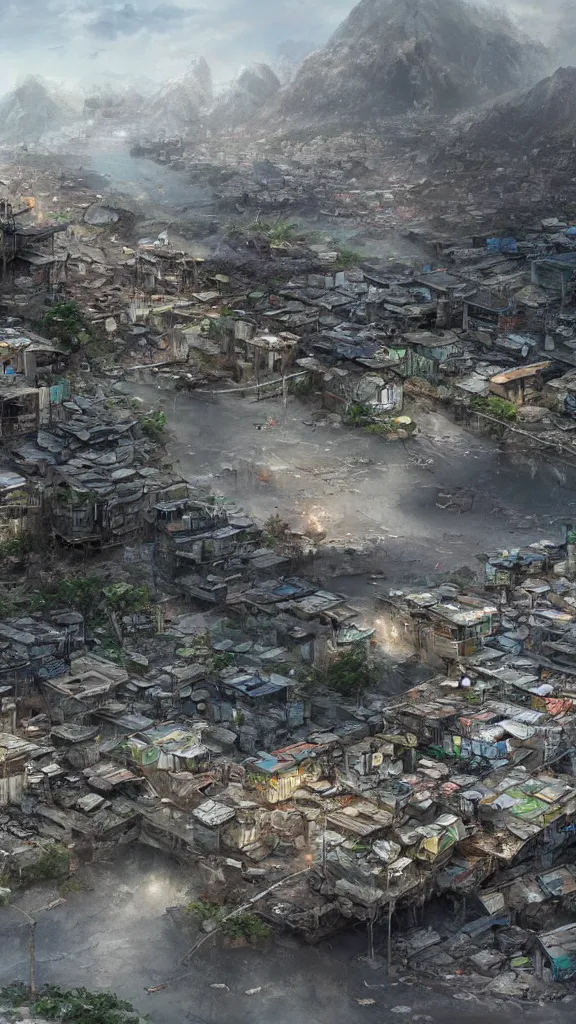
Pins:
<point x="347" y="259"/>
<point x="69" y="887"/>
<point x="52" y="866"/>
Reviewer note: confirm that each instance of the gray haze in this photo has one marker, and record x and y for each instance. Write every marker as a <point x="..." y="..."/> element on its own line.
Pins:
<point x="92" y="40"/>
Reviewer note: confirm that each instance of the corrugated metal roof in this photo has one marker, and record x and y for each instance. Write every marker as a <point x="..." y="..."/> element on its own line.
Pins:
<point x="213" y="813"/>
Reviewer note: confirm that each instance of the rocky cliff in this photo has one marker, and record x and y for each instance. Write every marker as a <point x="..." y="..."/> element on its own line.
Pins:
<point x="533" y="123"/>
<point x="254" y="87"/>
<point x="182" y="102"/>
<point x="392" y="56"/>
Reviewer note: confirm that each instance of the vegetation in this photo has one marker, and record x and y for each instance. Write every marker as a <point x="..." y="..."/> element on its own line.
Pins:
<point x="70" y="886"/>
<point x="16" y="547"/>
<point x="78" y="592"/>
<point x="384" y="427"/>
<point x="277" y="232"/>
<point x="380" y="429"/>
<point x="52" y="866"/>
<point x="246" y="926"/>
<point x="350" y="674"/>
<point x="221" y="660"/>
<point x="126" y="598"/>
<point x="359" y="415"/>
<point x="87" y="595"/>
<point x="242" y="926"/>
<point x="347" y="258"/>
<point x="499" y="408"/>
<point x="276" y="527"/>
<point x="66" y="322"/>
<point x="301" y="387"/>
<point x="77" y="1005"/>
<point x="275" y="532"/>
<point x="154" y="425"/>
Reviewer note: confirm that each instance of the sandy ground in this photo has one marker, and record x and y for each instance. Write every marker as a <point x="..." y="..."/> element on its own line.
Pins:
<point x="368" y="495"/>
<point x="113" y="934"/>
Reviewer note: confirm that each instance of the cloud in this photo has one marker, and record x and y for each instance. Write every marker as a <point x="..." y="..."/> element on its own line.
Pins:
<point x="127" y="20"/>
<point x="74" y="40"/>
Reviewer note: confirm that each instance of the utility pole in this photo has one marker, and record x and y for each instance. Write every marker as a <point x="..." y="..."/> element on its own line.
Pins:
<point x="391" y="908"/>
<point x="570" y="551"/>
<point x="31" y="949"/>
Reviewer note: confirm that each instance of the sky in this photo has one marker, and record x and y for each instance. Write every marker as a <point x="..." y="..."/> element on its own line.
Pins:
<point x="91" y="40"/>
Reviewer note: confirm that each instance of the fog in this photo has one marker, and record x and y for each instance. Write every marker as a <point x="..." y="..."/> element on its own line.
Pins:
<point x="88" y="42"/>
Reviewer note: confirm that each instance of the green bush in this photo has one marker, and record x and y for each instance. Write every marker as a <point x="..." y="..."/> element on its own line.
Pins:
<point x="241" y="926"/>
<point x="126" y="598"/>
<point x="221" y="660"/>
<point x="359" y="414"/>
<point x="15" y="547"/>
<point x="66" y="322"/>
<point x="246" y="926"/>
<point x="85" y="594"/>
<point x="301" y="387"/>
<point x="77" y="1005"/>
<point x="81" y="593"/>
<point x="276" y="232"/>
<point x="154" y="425"/>
<point x="499" y="408"/>
<point x="350" y="674"/>
<point x="276" y="528"/>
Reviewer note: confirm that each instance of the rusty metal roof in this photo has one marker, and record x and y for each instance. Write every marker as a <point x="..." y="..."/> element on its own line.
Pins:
<point x="519" y="372"/>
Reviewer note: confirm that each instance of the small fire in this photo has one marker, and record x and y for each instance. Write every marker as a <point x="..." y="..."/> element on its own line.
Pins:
<point x="308" y="857"/>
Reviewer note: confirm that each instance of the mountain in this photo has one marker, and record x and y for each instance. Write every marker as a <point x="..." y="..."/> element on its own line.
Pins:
<point x="290" y="55"/>
<point x="255" y="85"/>
<point x="108" y="103"/>
<point x="182" y="102"/>
<point x="393" y="56"/>
<point x="542" y="118"/>
<point x="30" y="110"/>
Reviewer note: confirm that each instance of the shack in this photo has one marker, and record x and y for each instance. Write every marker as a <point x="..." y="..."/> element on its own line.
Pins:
<point x="520" y="385"/>
<point x="559" y="949"/>
<point x="14" y="754"/>
<point x="428" y="355"/>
